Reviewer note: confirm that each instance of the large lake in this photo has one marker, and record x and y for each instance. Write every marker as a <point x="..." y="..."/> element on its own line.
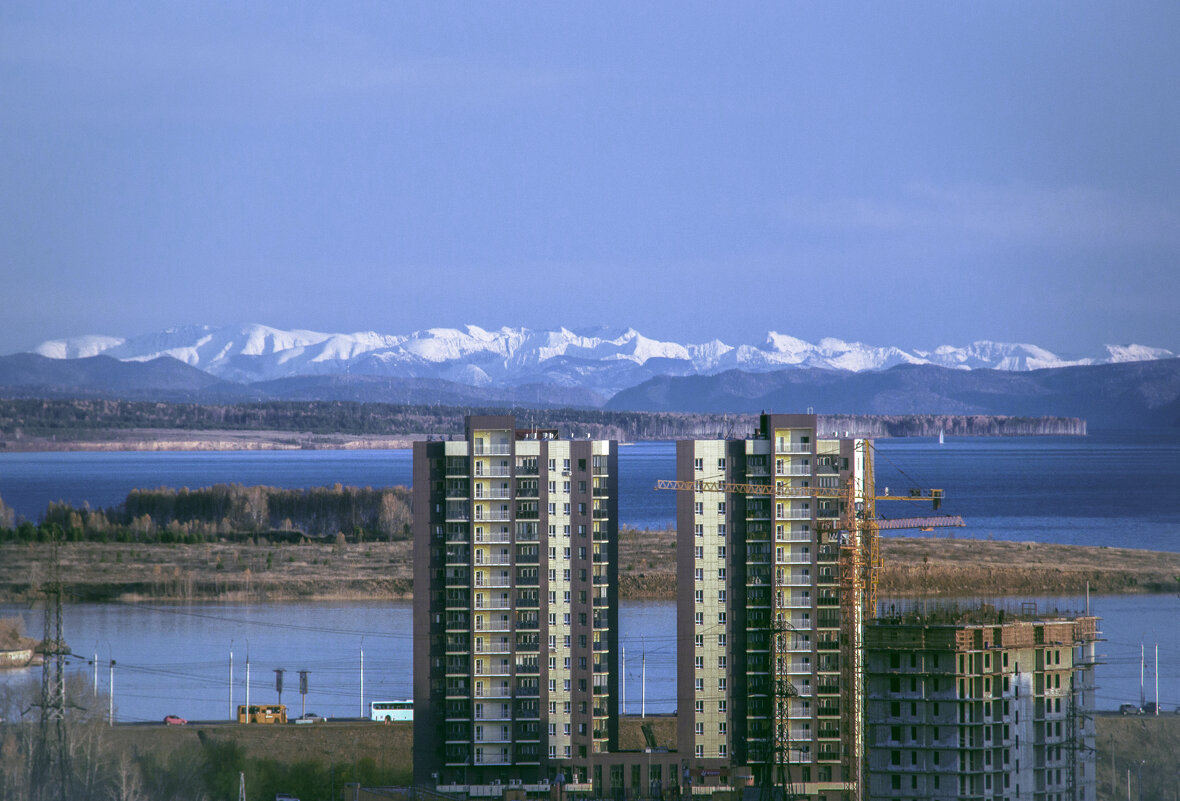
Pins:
<point x="1105" y="489"/>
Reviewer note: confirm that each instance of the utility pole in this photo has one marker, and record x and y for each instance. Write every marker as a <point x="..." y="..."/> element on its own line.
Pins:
<point x="1157" y="679"/>
<point x="362" y="712"/>
<point x="1142" y="698"/>
<point x="111" y="694"/>
<point x="51" y="760"/>
<point x="247" y="681"/>
<point x="303" y="692"/>
<point x="623" y="650"/>
<point x="279" y="683"/>
<point x="231" y="679"/>
<point x="643" y="684"/>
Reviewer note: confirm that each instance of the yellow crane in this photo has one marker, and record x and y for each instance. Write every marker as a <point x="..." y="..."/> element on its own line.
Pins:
<point x="856" y="529"/>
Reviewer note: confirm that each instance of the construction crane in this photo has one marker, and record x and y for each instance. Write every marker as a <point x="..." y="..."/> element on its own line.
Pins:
<point x="856" y="531"/>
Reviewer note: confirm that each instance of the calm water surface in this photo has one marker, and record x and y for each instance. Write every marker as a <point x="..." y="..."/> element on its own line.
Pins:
<point x="175" y="659"/>
<point x="1105" y="489"/>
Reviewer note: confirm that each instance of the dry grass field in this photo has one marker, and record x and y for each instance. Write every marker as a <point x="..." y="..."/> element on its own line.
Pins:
<point x="1122" y="742"/>
<point x="914" y="566"/>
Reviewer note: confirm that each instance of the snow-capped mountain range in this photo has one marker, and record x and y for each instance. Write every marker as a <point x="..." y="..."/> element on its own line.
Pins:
<point x="602" y="360"/>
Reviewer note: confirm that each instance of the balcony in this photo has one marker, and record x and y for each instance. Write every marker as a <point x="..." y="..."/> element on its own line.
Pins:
<point x="787" y="472"/>
<point x="492" y="450"/>
<point x="492" y="472"/>
<point x="495" y="581"/>
<point x="495" y="493"/>
<point x="493" y="536"/>
<point x="492" y="560"/>
<point x="792" y="447"/>
<point x="491" y="514"/>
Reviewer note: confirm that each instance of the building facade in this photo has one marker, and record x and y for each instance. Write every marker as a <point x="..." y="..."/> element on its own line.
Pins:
<point x="999" y="708"/>
<point x="767" y="636"/>
<point x="515" y="605"/>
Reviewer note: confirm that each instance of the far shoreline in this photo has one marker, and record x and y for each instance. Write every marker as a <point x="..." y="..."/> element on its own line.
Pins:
<point x="228" y="441"/>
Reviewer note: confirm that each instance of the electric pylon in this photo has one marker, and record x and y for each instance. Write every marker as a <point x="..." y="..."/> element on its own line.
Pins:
<point x="51" y="775"/>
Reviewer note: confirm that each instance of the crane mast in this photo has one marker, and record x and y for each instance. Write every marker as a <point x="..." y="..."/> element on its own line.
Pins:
<point x="855" y="532"/>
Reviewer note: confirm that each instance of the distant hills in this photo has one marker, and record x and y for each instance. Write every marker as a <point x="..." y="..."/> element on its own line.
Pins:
<point x="1135" y="395"/>
<point x="1123" y="386"/>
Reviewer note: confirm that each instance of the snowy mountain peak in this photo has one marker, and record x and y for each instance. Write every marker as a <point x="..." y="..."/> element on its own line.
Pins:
<point x="602" y="359"/>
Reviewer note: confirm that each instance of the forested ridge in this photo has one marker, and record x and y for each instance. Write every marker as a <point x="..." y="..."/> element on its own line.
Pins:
<point x="72" y="418"/>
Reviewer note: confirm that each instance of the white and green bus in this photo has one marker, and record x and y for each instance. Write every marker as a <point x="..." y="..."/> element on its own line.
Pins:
<point x="389" y="711"/>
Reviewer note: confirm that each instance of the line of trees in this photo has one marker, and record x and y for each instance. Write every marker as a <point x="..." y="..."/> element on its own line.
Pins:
<point x="66" y="418"/>
<point x="226" y="511"/>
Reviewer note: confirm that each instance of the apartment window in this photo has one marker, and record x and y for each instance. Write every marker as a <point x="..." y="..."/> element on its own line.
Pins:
<point x="700" y="641"/>
<point x="700" y="618"/>
<point x="553" y="509"/>
<point x="699" y="684"/>
<point x="721" y="683"/>
<point x="700" y="728"/>
<point x="699" y="508"/>
<point x="698" y="464"/>
<point x="721" y="596"/>
<point x="721" y="573"/>
<point x="721" y="464"/>
<point x="721" y="749"/>
<point x="720" y="529"/>
<point x="721" y="640"/>
<point x="700" y="752"/>
<point x="721" y="661"/>
<point x="700" y="661"/>
<point x="720" y="617"/>
<point x="699" y="552"/>
<point x="720" y="551"/>
<point x="721" y="705"/>
<point x="700" y="596"/>
<point x="565" y="508"/>
<point x="699" y="574"/>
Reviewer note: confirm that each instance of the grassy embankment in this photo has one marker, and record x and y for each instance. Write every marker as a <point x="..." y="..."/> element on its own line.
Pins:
<point x="382" y="570"/>
<point x="1122" y="742"/>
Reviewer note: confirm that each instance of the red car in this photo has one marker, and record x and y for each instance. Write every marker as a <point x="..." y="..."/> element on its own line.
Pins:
<point x="174" y="720"/>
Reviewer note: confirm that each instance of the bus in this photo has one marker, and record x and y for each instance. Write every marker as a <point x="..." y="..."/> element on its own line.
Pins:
<point x="388" y="711"/>
<point x="263" y="713"/>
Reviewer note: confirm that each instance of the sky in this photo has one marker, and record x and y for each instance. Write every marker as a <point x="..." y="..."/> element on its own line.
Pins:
<point x="909" y="173"/>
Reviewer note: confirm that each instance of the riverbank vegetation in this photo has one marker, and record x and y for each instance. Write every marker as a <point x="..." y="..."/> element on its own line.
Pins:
<point x="226" y="512"/>
<point x="256" y="568"/>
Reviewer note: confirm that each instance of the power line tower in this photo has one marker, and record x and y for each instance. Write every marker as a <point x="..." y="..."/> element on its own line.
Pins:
<point x="51" y="775"/>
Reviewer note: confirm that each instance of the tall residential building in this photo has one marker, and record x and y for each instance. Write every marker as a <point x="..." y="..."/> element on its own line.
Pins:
<point x="763" y="680"/>
<point x="515" y="605"/>
<point x="997" y="707"/>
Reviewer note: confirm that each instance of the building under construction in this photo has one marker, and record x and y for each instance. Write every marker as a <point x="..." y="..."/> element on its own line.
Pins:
<point x="986" y="705"/>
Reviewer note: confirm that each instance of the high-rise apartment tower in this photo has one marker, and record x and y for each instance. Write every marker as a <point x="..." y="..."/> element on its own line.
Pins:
<point x="763" y="679"/>
<point x="515" y="605"/>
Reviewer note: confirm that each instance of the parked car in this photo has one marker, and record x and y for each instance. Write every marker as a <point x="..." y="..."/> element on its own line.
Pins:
<point x="174" y="720"/>
<point x="310" y="717"/>
<point x="1149" y="708"/>
<point x="1129" y="709"/>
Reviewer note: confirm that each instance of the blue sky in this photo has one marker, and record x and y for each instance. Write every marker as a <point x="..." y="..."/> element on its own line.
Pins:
<point x="899" y="173"/>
